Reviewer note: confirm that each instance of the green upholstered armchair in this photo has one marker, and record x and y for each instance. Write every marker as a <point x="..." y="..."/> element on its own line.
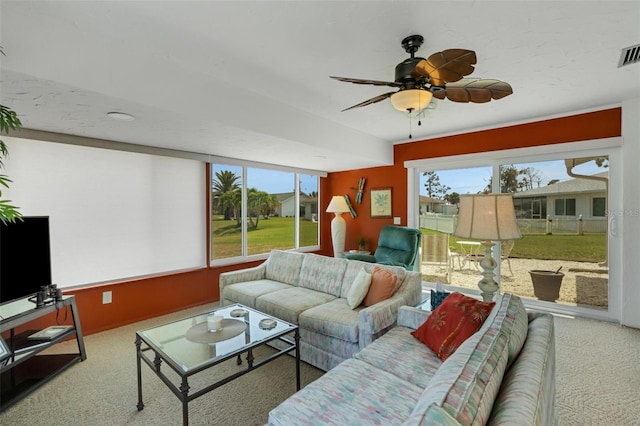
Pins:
<point x="397" y="245"/>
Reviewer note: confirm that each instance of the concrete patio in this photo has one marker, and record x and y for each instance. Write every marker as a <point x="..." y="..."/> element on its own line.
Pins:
<point x="584" y="283"/>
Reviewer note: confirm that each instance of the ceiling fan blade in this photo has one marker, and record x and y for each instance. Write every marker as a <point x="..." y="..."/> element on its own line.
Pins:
<point x="447" y="66"/>
<point x="476" y="90"/>
<point x="371" y="101"/>
<point x="372" y="82"/>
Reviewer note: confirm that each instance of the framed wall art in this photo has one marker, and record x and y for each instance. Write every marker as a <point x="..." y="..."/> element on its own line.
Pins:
<point x="381" y="202"/>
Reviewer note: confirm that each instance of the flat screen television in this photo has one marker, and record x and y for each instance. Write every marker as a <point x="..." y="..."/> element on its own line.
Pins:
<point x="25" y="257"/>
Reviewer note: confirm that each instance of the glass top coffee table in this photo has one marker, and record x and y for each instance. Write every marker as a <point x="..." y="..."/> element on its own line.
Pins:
<point x="187" y="347"/>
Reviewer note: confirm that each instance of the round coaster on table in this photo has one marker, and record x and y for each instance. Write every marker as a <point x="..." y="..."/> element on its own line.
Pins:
<point x="199" y="333"/>
<point x="267" y="324"/>
<point x="239" y="313"/>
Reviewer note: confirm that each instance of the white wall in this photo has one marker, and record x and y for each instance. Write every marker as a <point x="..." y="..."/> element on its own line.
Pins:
<point x="627" y="222"/>
<point x="112" y="214"/>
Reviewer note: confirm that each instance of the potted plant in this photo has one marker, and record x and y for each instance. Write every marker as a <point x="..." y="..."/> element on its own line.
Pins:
<point x="8" y="120"/>
<point x="362" y="244"/>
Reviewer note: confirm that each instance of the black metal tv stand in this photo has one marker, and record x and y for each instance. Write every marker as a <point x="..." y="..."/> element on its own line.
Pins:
<point x="27" y="369"/>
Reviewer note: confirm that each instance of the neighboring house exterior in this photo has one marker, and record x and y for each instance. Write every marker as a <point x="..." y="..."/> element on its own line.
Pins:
<point x="432" y="205"/>
<point x="286" y="205"/>
<point x="569" y="199"/>
<point x="574" y="206"/>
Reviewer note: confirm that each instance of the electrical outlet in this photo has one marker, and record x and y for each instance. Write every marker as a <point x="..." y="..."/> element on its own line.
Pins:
<point x="396" y="221"/>
<point x="106" y="297"/>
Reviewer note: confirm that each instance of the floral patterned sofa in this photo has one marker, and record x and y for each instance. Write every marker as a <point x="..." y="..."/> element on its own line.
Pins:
<point x="504" y="374"/>
<point x="311" y="290"/>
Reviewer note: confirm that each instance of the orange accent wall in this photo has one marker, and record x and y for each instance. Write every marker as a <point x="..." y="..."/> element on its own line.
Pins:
<point x="581" y="127"/>
<point x="148" y="297"/>
<point x="363" y="225"/>
<point x="575" y="128"/>
<point x="140" y="299"/>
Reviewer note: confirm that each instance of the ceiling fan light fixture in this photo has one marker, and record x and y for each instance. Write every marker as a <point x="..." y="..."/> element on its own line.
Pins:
<point x="411" y="100"/>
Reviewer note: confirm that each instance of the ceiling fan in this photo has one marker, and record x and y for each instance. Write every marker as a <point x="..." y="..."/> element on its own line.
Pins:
<point x="440" y="75"/>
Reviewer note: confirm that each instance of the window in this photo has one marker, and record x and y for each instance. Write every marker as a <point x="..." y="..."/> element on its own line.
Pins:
<point x="530" y="208"/>
<point x="256" y="210"/>
<point x="571" y="187"/>
<point x="99" y="212"/>
<point x="598" y="206"/>
<point x="565" y="207"/>
<point x="308" y="219"/>
<point x="226" y="206"/>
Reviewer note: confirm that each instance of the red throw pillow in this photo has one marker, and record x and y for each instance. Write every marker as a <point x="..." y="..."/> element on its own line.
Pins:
<point x="383" y="284"/>
<point x="451" y="323"/>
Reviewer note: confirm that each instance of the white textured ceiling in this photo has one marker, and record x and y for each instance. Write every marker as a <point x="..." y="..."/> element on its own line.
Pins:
<point x="250" y="80"/>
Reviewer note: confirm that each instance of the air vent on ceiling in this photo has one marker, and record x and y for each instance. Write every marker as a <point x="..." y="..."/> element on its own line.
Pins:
<point x="629" y="55"/>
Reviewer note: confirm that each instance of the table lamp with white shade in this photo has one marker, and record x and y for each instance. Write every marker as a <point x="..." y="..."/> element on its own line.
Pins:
<point x="487" y="217"/>
<point x="338" y="205"/>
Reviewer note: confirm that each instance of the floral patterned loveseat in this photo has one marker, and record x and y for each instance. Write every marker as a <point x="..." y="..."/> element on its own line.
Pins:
<point x="310" y="290"/>
<point x="504" y="374"/>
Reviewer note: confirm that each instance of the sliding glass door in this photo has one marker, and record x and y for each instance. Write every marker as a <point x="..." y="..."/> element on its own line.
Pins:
<point x="563" y="209"/>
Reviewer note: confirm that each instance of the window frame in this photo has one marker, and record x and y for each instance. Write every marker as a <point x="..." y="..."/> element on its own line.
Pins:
<point x="245" y="165"/>
<point x="596" y="147"/>
<point x="565" y="207"/>
<point x="604" y="206"/>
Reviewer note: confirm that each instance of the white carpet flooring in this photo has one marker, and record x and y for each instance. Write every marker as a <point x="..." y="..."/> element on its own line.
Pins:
<point x="598" y="373"/>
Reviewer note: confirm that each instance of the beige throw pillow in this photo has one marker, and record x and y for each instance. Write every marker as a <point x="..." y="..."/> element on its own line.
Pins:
<point x="359" y="289"/>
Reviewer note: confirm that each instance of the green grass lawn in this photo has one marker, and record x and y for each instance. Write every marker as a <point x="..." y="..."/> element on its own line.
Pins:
<point x="272" y="233"/>
<point x="277" y="233"/>
<point x="579" y="248"/>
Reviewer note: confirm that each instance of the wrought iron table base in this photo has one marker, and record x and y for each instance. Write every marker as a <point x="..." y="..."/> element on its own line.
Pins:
<point x="182" y="392"/>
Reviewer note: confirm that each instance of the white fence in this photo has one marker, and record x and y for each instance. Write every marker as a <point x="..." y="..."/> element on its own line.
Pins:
<point x="447" y="223"/>
<point x="439" y="222"/>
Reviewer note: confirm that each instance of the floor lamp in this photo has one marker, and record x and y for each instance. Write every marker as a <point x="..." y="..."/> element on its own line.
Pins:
<point x="337" y="206"/>
<point x="489" y="218"/>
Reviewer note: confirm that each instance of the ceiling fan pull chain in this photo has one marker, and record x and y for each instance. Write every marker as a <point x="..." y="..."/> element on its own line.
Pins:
<point x="409" y="115"/>
<point x="418" y="113"/>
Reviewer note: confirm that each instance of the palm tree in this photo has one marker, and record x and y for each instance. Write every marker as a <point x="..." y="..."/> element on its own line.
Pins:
<point x="225" y="190"/>
<point x="258" y="202"/>
<point x="8" y="120"/>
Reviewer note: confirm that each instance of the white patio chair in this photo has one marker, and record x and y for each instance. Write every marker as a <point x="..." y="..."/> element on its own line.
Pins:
<point x="505" y="251"/>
